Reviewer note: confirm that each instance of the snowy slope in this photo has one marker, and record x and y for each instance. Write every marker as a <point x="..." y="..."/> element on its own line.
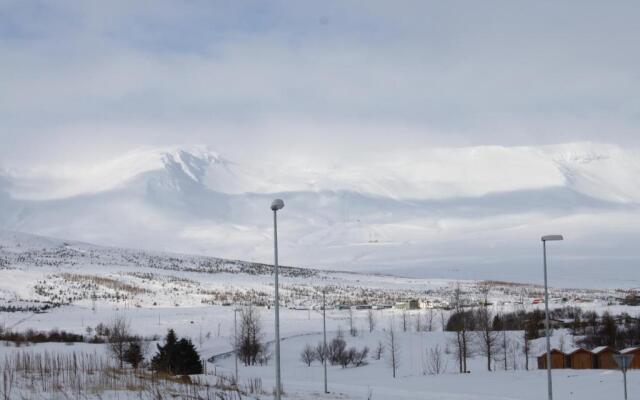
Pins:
<point x="408" y="213"/>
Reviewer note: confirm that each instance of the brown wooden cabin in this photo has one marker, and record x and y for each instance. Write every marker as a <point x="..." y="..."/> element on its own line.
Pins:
<point x="603" y="357"/>
<point x="635" y="363"/>
<point x="579" y="359"/>
<point x="557" y="360"/>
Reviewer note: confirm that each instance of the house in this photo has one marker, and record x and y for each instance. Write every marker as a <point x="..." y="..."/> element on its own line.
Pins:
<point x="579" y="359"/>
<point x="557" y="359"/>
<point x="635" y="363"/>
<point x="408" y="305"/>
<point x="603" y="358"/>
<point x="557" y="323"/>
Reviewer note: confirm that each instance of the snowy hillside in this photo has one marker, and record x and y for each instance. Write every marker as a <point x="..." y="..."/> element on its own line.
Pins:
<point x="408" y="213"/>
<point x="39" y="270"/>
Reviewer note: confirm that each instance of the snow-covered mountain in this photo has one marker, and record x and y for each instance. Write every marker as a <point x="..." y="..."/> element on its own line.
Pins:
<point x="462" y="211"/>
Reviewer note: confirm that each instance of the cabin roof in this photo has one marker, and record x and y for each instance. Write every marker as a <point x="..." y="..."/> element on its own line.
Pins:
<point x="629" y="350"/>
<point x="600" y="349"/>
<point x="577" y="350"/>
<point x="552" y="351"/>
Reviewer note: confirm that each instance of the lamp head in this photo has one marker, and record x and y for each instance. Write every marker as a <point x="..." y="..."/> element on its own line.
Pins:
<point x="277" y="204"/>
<point x="550" y="238"/>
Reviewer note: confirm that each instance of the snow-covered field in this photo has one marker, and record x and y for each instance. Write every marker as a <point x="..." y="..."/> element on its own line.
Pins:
<point x="72" y="286"/>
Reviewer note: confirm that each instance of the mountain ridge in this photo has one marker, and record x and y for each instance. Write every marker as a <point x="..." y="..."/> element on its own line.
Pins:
<point x="418" y="210"/>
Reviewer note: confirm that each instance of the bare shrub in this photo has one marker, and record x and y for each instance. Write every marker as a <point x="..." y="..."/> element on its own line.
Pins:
<point x="359" y="358"/>
<point x="435" y="362"/>
<point x="308" y="355"/>
<point x="379" y="351"/>
<point x="321" y="352"/>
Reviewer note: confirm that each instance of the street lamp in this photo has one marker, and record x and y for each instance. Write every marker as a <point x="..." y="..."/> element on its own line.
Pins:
<point x="276" y="205"/>
<point x="235" y="338"/>
<point x="545" y="239"/>
<point x="324" y="337"/>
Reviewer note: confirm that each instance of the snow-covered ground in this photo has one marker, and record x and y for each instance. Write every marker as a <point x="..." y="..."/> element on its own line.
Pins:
<point x="83" y="285"/>
<point x="372" y="381"/>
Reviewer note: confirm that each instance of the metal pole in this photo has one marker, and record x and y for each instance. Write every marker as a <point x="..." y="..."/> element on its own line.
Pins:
<point x="546" y="320"/>
<point x="235" y="339"/>
<point x="624" y="373"/>
<point x="324" y="339"/>
<point x="277" y="304"/>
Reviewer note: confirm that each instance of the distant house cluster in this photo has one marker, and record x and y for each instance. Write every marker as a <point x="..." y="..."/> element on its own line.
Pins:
<point x="598" y="358"/>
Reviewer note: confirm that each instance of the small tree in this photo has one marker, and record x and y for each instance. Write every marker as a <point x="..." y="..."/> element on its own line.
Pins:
<point x="435" y="362"/>
<point x="177" y="357"/>
<point x="371" y="320"/>
<point x="429" y="320"/>
<point x="335" y="350"/>
<point x="308" y="355"/>
<point x="188" y="358"/>
<point x="526" y="348"/>
<point x="405" y="317"/>
<point x="359" y="358"/>
<point x="394" y="351"/>
<point x="379" y="351"/>
<point x="321" y="352"/>
<point x="353" y="331"/>
<point x="165" y="358"/>
<point x="134" y="354"/>
<point x="250" y="345"/>
<point x="487" y="336"/>
<point x="119" y="335"/>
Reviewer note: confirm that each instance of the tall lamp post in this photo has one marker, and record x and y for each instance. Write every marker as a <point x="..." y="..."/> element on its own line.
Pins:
<point x="545" y="239"/>
<point x="324" y="338"/>
<point x="276" y="205"/>
<point x="235" y="338"/>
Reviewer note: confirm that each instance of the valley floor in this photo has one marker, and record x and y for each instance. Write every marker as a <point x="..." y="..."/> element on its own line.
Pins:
<point x="211" y="329"/>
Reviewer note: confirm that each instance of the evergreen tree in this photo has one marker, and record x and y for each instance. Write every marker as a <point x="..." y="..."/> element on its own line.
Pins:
<point x="134" y="355"/>
<point x="188" y="359"/>
<point x="177" y="357"/>
<point x="165" y="359"/>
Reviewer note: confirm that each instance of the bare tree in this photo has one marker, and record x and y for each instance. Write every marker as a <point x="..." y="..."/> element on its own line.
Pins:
<point x="429" y="320"/>
<point x="461" y="322"/>
<point x="487" y="336"/>
<point x="358" y="358"/>
<point x="308" y="355"/>
<point x="505" y="349"/>
<point x="321" y="352"/>
<point x="353" y="331"/>
<point x="371" y="320"/>
<point x="249" y="344"/>
<point x="379" y="351"/>
<point x="394" y="350"/>
<point x="435" y="362"/>
<point x="405" y="317"/>
<point x="418" y="322"/>
<point x="119" y="336"/>
<point x="526" y="349"/>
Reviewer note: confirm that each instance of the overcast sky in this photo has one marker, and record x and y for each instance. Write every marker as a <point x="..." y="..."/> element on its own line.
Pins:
<point x="89" y="79"/>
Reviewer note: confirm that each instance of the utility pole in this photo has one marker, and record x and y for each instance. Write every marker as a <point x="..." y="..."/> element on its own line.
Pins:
<point x="276" y="205"/>
<point x="545" y="239"/>
<point x="235" y="339"/>
<point x="324" y="337"/>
